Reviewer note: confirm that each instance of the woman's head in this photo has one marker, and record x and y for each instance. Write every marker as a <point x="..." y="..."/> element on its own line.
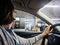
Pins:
<point x="6" y="12"/>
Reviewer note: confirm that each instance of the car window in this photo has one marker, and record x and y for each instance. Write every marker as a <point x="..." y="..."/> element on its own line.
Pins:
<point x="28" y="22"/>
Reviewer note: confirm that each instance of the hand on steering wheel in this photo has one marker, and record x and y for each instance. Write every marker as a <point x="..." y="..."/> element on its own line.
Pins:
<point x="46" y="31"/>
<point x="53" y="39"/>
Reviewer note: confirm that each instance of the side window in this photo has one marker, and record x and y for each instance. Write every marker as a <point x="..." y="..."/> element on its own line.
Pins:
<point x="28" y="22"/>
<point x="41" y="25"/>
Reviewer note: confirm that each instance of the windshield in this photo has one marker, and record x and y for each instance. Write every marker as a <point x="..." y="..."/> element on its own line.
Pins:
<point x="52" y="10"/>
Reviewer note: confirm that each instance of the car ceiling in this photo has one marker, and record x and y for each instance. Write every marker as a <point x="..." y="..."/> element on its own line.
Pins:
<point x="30" y="6"/>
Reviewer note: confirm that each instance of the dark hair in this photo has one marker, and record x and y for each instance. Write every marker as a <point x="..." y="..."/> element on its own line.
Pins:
<point x="6" y="12"/>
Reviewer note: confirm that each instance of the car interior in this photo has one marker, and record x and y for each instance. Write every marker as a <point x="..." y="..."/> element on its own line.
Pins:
<point x="33" y="16"/>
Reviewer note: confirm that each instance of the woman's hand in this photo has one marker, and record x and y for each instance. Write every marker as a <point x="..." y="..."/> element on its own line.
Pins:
<point x="46" y="31"/>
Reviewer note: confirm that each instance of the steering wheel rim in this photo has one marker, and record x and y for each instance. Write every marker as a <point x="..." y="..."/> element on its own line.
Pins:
<point x="54" y="26"/>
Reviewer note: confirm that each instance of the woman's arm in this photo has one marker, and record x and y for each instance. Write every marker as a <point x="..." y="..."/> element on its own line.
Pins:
<point x="32" y="40"/>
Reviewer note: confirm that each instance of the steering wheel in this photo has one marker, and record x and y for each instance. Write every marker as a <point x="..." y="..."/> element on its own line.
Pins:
<point x="53" y="26"/>
<point x="54" y="38"/>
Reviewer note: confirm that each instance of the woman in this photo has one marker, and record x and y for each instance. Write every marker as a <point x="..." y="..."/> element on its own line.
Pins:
<point x="7" y="36"/>
<point x="6" y="18"/>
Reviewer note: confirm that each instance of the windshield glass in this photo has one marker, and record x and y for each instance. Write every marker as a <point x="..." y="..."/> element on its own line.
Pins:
<point x="52" y="10"/>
